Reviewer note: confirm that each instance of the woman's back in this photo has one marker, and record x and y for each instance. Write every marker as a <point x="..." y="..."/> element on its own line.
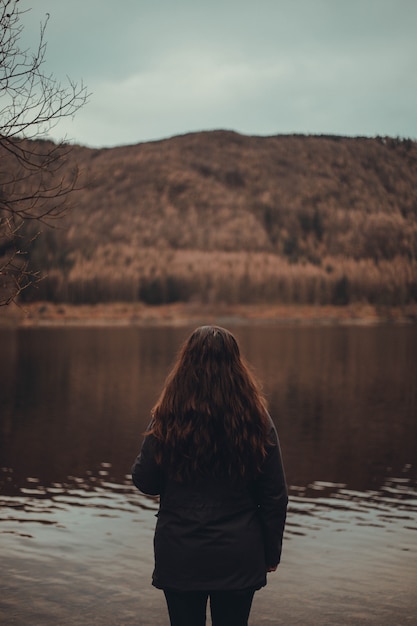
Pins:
<point x="213" y="456"/>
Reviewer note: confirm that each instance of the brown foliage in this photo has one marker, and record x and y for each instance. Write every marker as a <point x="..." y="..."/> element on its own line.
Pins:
<point x="219" y="217"/>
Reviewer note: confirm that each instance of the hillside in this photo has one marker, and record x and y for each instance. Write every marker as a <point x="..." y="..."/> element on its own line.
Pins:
<point x="220" y="217"/>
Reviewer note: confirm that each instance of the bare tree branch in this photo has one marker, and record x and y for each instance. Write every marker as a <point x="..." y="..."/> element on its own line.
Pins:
<point x="32" y="102"/>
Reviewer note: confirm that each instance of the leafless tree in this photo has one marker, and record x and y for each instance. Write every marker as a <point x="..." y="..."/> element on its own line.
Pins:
<point x="33" y="188"/>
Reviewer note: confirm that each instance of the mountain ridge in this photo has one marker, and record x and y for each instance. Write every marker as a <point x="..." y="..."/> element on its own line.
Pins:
<point x="219" y="216"/>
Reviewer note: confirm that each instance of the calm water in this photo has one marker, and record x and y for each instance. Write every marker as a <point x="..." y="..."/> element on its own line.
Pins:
<point x="76" y="537"/>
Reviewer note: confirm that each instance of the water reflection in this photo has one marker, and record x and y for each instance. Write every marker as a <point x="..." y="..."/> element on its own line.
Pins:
<point x="344" y="399"/>
<point x="78" y="398"/>
<point x="73" y="405"/>
<point x="311" y="507"/>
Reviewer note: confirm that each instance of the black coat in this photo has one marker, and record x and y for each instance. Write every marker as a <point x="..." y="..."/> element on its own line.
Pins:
<point x="215" y="534"/>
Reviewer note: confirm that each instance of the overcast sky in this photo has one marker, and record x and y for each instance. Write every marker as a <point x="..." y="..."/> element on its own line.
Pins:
<point x="158" y="68"/>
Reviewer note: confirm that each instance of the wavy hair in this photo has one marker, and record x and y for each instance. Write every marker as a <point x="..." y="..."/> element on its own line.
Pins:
<point x="211" y="417"/>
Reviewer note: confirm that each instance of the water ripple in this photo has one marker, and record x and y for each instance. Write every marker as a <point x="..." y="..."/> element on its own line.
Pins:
<point x="317" y="505"/>
<point x="322" y="504"/>
<point x="34" y="503"/>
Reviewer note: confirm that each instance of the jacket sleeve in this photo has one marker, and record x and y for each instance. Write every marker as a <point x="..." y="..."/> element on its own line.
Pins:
<point x="146" y="473"/>
<point x="272" y="500"/>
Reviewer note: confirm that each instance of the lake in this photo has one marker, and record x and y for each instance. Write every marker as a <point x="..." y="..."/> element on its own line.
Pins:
<point x="76" y="536"/>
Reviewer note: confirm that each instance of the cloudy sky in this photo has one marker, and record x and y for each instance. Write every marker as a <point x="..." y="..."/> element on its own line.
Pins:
<point x="158" y="68"/>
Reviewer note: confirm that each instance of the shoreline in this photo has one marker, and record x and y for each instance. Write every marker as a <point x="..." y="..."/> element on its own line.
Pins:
<point x="181" y="314"/>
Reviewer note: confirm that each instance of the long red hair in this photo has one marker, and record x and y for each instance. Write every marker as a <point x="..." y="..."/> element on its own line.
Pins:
<point x="211" y="417"/>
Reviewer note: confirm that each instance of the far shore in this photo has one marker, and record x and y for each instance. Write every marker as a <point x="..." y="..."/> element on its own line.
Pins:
<point x="139" y="314"/>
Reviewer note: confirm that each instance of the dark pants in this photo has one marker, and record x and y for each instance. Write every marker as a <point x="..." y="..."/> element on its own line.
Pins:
<point x="228" y="608"/>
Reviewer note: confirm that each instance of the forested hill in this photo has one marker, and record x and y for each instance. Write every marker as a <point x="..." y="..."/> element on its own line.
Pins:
<point x="217" y="216"/>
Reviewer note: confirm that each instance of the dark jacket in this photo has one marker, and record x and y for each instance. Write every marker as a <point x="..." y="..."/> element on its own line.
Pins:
<point x="215" y="534"/>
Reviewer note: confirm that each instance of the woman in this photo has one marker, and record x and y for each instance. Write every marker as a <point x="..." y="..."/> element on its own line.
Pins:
<point x="212" y="453"/>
